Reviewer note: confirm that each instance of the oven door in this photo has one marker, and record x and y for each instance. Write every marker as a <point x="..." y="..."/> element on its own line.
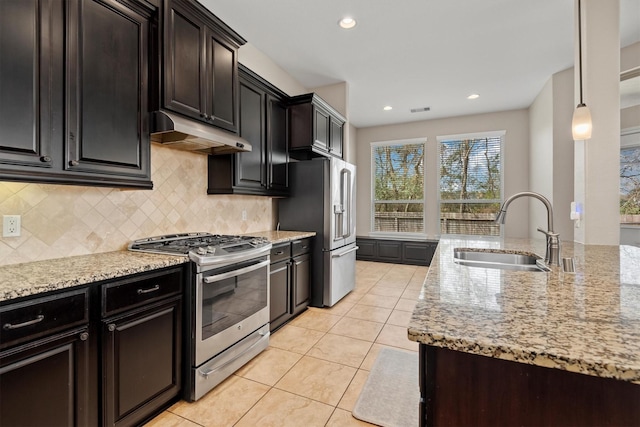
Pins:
<point x="231" y="303"/>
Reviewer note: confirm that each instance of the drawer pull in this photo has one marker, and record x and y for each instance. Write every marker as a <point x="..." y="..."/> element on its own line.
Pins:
<point x="146" y="291"/>
<point x="9" y="326"/>
<point x="111" y="327"/>
<point x="279" y="252"/>
<point x="84" y="336"/>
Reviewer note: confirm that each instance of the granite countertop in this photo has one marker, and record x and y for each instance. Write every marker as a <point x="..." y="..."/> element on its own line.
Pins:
<point x="282" y="236"/>
<point x="587" y="322"/>
<point x="25" y="279"/>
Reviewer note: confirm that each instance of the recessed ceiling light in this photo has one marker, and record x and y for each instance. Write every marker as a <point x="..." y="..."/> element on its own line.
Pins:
<point x="473" y="96"/>
<point x="347" y="23"/>
<point x="387" y="108"/>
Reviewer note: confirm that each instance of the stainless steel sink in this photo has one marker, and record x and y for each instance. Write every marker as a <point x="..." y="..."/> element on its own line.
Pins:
<point x="504" y="260"/>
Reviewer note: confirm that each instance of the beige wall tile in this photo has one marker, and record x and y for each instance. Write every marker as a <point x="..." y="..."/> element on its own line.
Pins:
<point x="66" y="220"/>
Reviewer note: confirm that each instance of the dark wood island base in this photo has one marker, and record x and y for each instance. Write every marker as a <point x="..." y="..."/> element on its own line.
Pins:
<point x="463" y="389"/>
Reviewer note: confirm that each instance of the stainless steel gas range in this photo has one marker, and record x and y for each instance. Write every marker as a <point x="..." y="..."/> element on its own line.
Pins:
<point x="227" y="304"/>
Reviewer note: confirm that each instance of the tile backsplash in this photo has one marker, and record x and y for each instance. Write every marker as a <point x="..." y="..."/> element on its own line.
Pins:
<point x="65" y="220"/>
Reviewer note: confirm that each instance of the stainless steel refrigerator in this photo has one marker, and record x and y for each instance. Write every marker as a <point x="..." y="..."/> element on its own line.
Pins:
<point x="323" y="194"/>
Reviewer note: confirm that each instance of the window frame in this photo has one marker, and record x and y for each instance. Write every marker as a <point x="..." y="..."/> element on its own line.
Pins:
<point x="629" y="138"/>
<point x="372" y="211"/>
<point x="473" y="135"/>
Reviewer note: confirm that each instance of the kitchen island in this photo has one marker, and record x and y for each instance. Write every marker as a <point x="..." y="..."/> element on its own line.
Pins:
<point x="502" y="347"/>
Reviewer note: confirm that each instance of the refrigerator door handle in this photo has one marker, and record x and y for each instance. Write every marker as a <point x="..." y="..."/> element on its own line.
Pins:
<point x="355" y="248"/>
<point x="345" y="190"/>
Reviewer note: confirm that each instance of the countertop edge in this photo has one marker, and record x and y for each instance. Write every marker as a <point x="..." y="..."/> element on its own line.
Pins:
<point x="39" y="277"/>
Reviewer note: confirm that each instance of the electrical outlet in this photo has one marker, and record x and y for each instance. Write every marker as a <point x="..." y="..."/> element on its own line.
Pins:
<point x="244" y="215"/>
<point x="10" y="225"/>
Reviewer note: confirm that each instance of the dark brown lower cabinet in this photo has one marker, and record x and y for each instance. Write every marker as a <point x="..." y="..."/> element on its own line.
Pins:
<point x="46" y="382"/>
<point x="396" y="251"/>
<point x="463" y="389"/>
<point x="290" y="281"/>
<point x="141" y="352"/>
<point x="301" y="286"/>
<point x="280" y="294"/>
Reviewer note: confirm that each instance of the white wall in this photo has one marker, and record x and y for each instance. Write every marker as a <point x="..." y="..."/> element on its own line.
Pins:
<point x="551" y="153"/>
<point x="541" y="155"/>
<point x="261" y="64"/>
<point x="516" y="154"/>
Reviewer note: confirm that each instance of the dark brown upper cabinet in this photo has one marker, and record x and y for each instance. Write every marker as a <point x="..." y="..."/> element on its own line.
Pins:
<point x="316" y="128"/>
<point x="27" y="70"/>
<point x="107" y="88"/>
<point x="200" y="65"/>
<point x="263" y="122"/>
<point x="74" y="84"/>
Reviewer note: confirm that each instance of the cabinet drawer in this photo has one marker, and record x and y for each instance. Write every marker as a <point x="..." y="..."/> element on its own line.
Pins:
<point x="280" y="252"/>
<point x="39" y="317"/>
<point x="299" y="247"/>
<point x="128" y="293"/>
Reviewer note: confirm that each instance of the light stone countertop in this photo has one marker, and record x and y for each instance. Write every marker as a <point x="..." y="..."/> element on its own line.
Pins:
<point x="31" y="278"/>
<point x="587" y="322"/>
<point x="282" y="236"/>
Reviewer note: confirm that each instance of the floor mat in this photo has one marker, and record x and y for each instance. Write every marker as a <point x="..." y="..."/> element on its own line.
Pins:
<point x="391" y="395"/>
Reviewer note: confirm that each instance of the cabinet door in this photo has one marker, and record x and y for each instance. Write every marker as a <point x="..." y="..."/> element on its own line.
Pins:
<point x="141" y="362"/>
<point x="184" y="62"/>
<point x="250" y="165"/>
<point x="280" y="294"/>
<point x="222" y="83"/>
<point x="107" y="116"/>
<point x="26" y="77"/>
<point x="321" y="120"/>
<point x="277" y="145"/>
<point x="336" y="136"/>
<point x="301" y="282"/>
<point x="45" y="383"/>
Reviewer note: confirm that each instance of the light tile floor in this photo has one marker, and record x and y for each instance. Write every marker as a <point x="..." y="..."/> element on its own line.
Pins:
<point x="315" y="366"/>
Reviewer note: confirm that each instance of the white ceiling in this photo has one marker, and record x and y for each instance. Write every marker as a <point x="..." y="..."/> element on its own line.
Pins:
<point x="418" y="53"/>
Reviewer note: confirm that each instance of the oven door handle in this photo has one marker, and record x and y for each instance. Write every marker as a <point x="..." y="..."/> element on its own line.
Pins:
<point x="218" y="277"/>
<point x="208" y="372"/>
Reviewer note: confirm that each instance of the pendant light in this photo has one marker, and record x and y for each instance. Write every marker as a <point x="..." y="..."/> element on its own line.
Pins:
<point x="581" y="123"/>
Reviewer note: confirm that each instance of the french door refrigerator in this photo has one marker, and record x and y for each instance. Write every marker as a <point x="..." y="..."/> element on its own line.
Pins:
<point x="322" y="199"/>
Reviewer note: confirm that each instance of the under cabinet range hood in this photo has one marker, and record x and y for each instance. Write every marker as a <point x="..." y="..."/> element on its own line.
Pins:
<point x="185" y="134"/>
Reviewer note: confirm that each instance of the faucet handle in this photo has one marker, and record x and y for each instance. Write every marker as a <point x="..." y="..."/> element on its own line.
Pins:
<point x="548" y="233"/>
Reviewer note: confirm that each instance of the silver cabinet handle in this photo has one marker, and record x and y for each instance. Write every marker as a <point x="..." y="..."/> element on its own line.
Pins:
<point x="345" y="252"/>
<point x="218" y="277"/>
<point x="9" y="326"/>
<point x="146" y="291"/>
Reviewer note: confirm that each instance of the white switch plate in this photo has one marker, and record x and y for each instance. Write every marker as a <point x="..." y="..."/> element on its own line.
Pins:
<point x="244" y="215"/>
<point x="10" y="225"/>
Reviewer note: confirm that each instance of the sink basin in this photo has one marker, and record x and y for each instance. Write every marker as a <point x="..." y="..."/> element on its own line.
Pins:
<point x="504" y="260"/>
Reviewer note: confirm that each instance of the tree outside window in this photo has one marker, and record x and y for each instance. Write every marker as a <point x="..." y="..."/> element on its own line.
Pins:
<point x="630" y="185"/>
<point x="470" y="184"/>
<point x="398" y="187"/>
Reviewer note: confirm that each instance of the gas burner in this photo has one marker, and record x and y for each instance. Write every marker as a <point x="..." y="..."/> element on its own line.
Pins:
<point x="202" y="248"/>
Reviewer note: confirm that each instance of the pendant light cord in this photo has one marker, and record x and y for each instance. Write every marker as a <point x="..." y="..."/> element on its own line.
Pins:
<point x="580" y="46"/>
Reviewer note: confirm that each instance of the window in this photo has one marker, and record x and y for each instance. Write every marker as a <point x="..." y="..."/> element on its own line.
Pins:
<point x="630" y="185"/>
<point x="398" y="186"/>
<point x="470" y="183"/>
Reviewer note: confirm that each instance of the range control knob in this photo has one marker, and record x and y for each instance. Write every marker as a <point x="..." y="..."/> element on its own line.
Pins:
<point x="201" y="251"/>
<point x="211" y="249"/>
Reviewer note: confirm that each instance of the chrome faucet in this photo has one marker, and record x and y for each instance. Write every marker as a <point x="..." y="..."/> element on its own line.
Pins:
<point x="552" y="256"/>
